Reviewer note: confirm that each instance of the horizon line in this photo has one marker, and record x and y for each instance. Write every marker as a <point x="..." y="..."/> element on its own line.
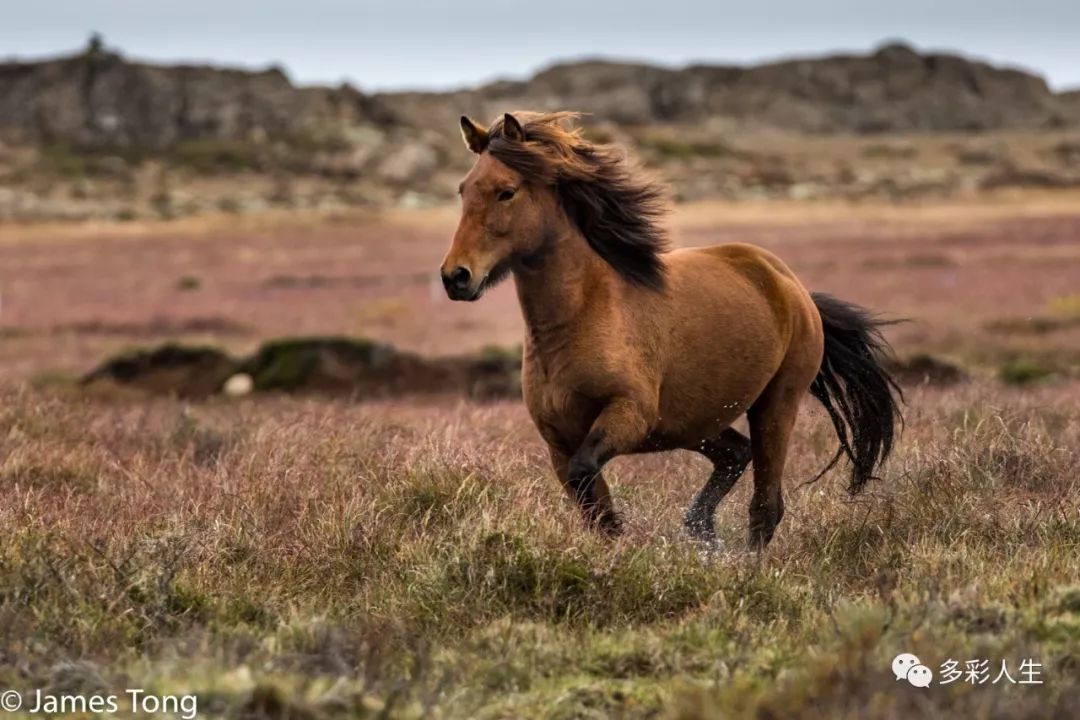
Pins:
<point x="553" y="62"/>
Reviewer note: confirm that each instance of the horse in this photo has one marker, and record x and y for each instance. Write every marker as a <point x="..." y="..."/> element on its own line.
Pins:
<point x="631" y="347"/>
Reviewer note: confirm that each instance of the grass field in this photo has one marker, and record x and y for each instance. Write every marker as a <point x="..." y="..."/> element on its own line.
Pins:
<point x="316" y="558"/>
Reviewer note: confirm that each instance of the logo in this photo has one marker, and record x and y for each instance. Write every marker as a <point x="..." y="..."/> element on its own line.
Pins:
<point x="906" y="666"/>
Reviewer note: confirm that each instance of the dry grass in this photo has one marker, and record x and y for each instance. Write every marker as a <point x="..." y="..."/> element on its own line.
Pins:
<point x="314" y="558"/>
<point x="317" y="559"/>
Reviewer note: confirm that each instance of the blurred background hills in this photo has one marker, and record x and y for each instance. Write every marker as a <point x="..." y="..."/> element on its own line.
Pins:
<point x="97" y="135"/>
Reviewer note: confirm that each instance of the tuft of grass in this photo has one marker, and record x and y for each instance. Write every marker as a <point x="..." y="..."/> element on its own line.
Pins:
<point x="211" y="156"/>
<point x="1034" y="325"/>
<point x="1065" y="305"/>
<point x="890" y="151"/>
<point x="1022" y="372"/>
<point x="501" y="353"/>
<point x="11" y="333"/>
<point x="309" y="557"/>
<point x="62" y="159"/>
<point x="189" y="283"/>
<point x="288" y="363"/>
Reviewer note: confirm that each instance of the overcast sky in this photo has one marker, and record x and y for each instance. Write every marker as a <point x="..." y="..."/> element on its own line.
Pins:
<point x="428" y="44"/>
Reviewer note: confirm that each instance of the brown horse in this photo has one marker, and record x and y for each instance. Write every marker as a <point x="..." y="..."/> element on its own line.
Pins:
<point x="630" y="348"/>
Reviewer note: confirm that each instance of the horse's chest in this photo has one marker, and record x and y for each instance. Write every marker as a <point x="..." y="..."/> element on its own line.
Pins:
<point x="560" y="406"/>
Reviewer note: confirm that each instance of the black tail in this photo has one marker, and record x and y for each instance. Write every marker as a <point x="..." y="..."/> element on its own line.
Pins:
<point x="861" y="397"/>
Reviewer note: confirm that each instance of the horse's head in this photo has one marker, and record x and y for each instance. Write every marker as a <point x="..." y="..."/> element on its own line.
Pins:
<point x="505" y="213"/>
<point x="535" y="182"/>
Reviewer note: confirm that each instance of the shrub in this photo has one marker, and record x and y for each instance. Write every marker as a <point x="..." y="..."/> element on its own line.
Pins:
<point x="1021" y="372"/>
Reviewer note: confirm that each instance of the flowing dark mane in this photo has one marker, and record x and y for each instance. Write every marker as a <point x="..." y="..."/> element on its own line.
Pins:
<point x="614" y="203"/>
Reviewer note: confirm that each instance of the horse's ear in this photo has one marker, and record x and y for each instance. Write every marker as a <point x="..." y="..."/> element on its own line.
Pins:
<point x="476" y="137"/>
<point x="512" y="129"/>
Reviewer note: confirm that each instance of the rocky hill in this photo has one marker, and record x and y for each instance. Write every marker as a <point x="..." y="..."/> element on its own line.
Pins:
<point x="98" y="98"/>
<point x="895" y="89"/>
<point x="95" y="132"/>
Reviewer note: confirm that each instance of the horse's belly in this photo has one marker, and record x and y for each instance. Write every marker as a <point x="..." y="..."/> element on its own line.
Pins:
<point x="726" y="342"/>
<point x="715" y="379"/>
<point x="689" y="415"/>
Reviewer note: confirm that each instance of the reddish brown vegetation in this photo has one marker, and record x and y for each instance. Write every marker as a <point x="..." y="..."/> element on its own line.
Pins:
<point x="314" y="557"/>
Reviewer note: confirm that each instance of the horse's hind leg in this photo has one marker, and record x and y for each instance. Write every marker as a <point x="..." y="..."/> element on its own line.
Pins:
<point x="772" y="418"/>
<point x="730" y="454"/>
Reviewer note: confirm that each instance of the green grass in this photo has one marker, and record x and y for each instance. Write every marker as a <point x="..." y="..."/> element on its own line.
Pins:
<point x="1023" y="372"/>
<point x="189" y="283"/>
<point x="679" y="149"/>
<point x="63" y="160"/>
<point x="210" y="156"/>
<point x="319" y="559"/>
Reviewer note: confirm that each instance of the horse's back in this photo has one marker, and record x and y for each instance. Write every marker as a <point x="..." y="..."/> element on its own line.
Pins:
<point x="746" y="259"/>
<point x="737" y="280"/>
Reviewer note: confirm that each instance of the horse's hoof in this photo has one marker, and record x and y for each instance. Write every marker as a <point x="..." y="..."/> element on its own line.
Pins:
<point x="756" y="547"/>
<point x="712" y="549"/>
<point x="610" y="525"/>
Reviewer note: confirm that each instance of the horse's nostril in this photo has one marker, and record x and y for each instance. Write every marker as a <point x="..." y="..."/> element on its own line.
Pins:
<point x="459" y="277"/>
<point x="456" y="282"/>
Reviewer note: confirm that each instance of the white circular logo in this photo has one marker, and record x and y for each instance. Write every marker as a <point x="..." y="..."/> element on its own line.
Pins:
<point x="10" y="701"/>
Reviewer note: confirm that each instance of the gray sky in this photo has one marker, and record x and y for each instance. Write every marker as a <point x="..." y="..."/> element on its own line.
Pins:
<point x="428" y="44"/>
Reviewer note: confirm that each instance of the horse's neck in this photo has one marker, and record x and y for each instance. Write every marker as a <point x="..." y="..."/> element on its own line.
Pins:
<point x="554" y="289"/>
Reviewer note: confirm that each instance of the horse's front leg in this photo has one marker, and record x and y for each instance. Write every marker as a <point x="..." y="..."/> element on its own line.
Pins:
<point x="620" y="428"/>
<point x="592" y="498"/>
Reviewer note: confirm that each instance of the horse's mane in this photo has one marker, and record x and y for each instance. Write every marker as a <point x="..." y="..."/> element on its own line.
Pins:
<point x="614" y="203"/>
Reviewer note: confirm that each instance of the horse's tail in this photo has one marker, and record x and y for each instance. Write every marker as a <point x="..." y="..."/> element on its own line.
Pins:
<point x="860" y="396"/>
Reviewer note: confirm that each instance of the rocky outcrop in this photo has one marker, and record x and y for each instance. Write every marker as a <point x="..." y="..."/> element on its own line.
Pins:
<point x="99" y="99"/>
<point x="894" y="89"/>
<point x="97" y="136"/>
<point x="1070" y="103"/>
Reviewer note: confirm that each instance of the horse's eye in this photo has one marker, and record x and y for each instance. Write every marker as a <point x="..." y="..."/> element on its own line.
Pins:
<point x="506" y="194"/>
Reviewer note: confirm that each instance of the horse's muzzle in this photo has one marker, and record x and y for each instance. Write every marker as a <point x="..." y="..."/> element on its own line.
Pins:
<point x="457" y="283"/>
